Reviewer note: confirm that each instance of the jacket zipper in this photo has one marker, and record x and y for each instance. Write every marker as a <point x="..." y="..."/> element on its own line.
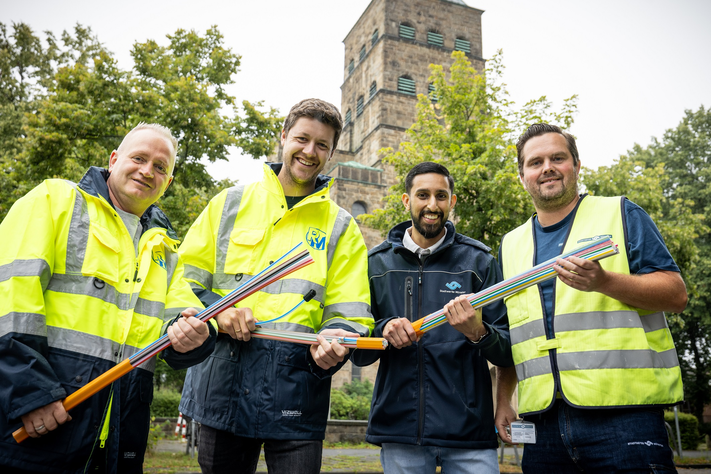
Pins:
<point x="420" y="360"/>
<point x="408" y="298"/>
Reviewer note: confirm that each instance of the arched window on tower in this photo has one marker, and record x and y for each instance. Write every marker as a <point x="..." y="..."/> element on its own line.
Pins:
<point x="348" y="117"/>
<point x="374" y="38"/>
<point x="362" y="53"/>
<point x="351" y="65"/>
<point x="359" y="106"/>
<point x="435" y="39"/>
<point x="358" y="208"/>
<point x="406" y="85"/>
<point x="373" y="89"/>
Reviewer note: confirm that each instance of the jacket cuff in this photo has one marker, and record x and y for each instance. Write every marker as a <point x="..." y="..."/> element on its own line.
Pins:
<point x="182" y="360"/>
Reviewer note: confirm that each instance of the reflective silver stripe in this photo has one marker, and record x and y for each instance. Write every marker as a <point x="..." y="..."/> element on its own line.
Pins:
<point x="343" y="220"/>
<point x="527" y="331"/>
<point x="355" y="327"/>
<point x="227" y="223"/>
<point x="155" y="309"/>
<point x="86" y="285"/>
<point x="171" y="262"/>
<point x="199" y="275"/>
<point x="631" y="359"/>
<point x="149" y="365"/>
<point x="226" y="281"/>
<point x="288" y="327"/>
<point x="654" y="322"/>
<point x="78" y="237"/>
<point x="591" y="360"/>
<point x="590" y="321"/>
<point x="609" y="320"/>
<point x="294" y="285"/>
<point x="23" y="323"/>
<point x="26" y="268"/>
<point x="346" y="310"/>
<point x="91" y="345"/>
<point x="533" y="367"/>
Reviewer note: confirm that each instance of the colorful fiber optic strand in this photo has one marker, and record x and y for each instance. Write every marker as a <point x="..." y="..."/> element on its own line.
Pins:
<point x="285" y="265"/>
<point x="596" y="250"/>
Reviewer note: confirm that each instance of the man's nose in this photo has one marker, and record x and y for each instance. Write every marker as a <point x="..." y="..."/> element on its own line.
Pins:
<point x="147" y="169"/>
<point x="310" y="148"/>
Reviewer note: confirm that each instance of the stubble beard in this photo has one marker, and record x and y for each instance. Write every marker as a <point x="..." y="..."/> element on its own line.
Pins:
<point x="552" y="202"/>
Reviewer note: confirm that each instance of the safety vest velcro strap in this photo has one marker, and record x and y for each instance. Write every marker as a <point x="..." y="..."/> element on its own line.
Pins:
<point x="548" y="344"/>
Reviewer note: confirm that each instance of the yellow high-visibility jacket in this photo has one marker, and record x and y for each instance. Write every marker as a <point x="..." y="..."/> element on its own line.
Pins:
<point x="604" y="353"/>
<point x="74" y="301"/>
<point x="271" y="389"/>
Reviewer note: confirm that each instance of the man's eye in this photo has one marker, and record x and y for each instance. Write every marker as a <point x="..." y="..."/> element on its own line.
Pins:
<point x="162" y="169"/>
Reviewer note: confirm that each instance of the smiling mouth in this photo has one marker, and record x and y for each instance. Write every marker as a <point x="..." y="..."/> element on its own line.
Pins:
<point x="431" y="216"/>
<point x="304" y="162"/>
<point x="145" y="185"/>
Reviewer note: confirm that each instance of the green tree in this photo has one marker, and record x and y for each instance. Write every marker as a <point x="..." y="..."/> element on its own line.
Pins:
<point x="83" y="104"/>
<point x="669" y="179"/>
<point x="469" y="125"/>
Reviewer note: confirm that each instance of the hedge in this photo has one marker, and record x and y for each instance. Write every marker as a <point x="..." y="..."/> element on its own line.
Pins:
<point x="689" y="427"/>
<point x="165" y="403"/>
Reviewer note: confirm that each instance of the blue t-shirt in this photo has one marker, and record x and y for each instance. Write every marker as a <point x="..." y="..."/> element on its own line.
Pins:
<point x="646" y="251"/>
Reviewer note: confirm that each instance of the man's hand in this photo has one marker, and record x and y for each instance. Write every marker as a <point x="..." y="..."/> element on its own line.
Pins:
<point x="505" y="414"/>
<point x="188" y="332"/>
<point x="328" y="355"/>
<point x="464" y="318"/>
<point x="45" y="419"/>
<point x="399" y="333"/>
<point x="581" y="274"/>
<point x="237" y="322"/>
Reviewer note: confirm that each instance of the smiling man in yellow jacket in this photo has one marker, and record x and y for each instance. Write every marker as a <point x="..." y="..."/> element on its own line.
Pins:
<point x="594" y="357"/>
<point x="252" y="392"/>
<point x="89" y="275"/>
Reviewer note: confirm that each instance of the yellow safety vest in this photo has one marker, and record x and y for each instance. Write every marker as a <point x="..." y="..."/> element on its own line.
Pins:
<point x="247" y="227"/>
<point x="606" y="353"/>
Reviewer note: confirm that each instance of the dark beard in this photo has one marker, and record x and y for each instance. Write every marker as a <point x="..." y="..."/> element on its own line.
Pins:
<point x="428" y="231"/>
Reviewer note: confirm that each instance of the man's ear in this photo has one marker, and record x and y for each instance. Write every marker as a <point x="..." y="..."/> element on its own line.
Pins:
<point x="454" y="201"/>
<point x="406" y="201"/>
<point x="283" y="137"/>
<point x="112" y="160"/>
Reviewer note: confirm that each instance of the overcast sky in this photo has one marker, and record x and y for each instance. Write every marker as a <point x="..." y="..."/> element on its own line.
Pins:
<point x="636" y="65"/>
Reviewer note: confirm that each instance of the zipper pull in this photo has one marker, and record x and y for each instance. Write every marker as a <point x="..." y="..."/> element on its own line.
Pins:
<point x="135" y="275"/>
<point x="409" y="287"/>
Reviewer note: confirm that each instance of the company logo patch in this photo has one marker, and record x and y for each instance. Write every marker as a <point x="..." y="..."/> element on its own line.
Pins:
<point x="291" y="413"/>
<point x="645" y="443"/>
<point x="159" y="258"/>
<point x="597" y="237"/>
<point x="453" y="285"/>
<point x="316" y="238"/>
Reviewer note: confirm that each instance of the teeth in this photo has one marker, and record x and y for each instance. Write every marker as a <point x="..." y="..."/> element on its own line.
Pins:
<point x="305" y="163"/>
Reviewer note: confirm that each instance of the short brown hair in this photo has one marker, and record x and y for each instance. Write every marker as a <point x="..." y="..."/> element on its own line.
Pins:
<point x="317" y="109"/>
<point x="538" y="129"/>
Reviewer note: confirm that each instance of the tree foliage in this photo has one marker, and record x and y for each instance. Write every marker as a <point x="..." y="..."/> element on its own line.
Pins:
<point x="670" y="180"/>
<point x="469" y="125"/>
<point x="65" y="105"/>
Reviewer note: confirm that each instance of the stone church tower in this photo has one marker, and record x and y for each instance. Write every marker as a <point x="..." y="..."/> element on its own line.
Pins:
<point x="388" y="53"/>
<point x="387" y="56"/>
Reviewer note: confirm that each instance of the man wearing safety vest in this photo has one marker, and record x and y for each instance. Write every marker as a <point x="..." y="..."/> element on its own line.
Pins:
<point x="593" y="354"/>
<point x="253" y="392"/>
<point x="89" y="275"/>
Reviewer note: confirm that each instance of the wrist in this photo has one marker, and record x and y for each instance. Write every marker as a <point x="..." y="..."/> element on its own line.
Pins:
<point x="478" y="336"/>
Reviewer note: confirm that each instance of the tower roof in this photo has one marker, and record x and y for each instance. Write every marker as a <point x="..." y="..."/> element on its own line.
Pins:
<point x="458" y="2"/>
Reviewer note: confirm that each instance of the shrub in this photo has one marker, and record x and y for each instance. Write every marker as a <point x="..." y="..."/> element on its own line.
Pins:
<point x="352" y="401"/>
<point x="165" y="403"/>
<point x="689" y="427"/>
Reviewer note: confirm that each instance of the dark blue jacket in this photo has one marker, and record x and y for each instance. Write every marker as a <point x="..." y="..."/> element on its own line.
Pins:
<point x="436" y="392"/>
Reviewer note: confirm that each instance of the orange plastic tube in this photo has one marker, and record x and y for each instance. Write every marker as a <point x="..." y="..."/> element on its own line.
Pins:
<point x="102" y="381"/>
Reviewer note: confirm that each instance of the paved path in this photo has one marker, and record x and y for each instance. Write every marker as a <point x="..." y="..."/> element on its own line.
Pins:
<point x="373" y="455"/>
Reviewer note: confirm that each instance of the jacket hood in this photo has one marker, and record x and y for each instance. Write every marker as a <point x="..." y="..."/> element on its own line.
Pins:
<point x="94" y="183"/>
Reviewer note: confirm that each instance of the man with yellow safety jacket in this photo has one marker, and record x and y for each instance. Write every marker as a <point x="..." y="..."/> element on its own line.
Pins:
<point x="593" y="354"/>
<point x="89" y="275"/>
<point x="253" y="392"/>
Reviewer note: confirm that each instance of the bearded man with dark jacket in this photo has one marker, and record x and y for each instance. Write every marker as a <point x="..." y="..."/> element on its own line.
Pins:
<point x="432" y="402"/>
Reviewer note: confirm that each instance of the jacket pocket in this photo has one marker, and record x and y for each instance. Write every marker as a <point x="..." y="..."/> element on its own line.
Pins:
<point x="301" y="397"/>
<point x="102" y="255"/>
<point x="243" y="251"/>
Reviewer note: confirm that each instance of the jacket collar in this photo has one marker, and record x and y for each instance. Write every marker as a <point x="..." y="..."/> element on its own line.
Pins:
<point x="398" y="232"/>
<point x="94" y="183"/>
<point x="322" y="181"/>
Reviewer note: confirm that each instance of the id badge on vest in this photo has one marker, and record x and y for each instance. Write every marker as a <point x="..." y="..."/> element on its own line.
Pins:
<point x="523" y="432"/>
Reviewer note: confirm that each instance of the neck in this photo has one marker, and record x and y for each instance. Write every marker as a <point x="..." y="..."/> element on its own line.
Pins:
<point x="424" y="242"/>
<point x="295" y="189"/>
<point x="548" y="217"/>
